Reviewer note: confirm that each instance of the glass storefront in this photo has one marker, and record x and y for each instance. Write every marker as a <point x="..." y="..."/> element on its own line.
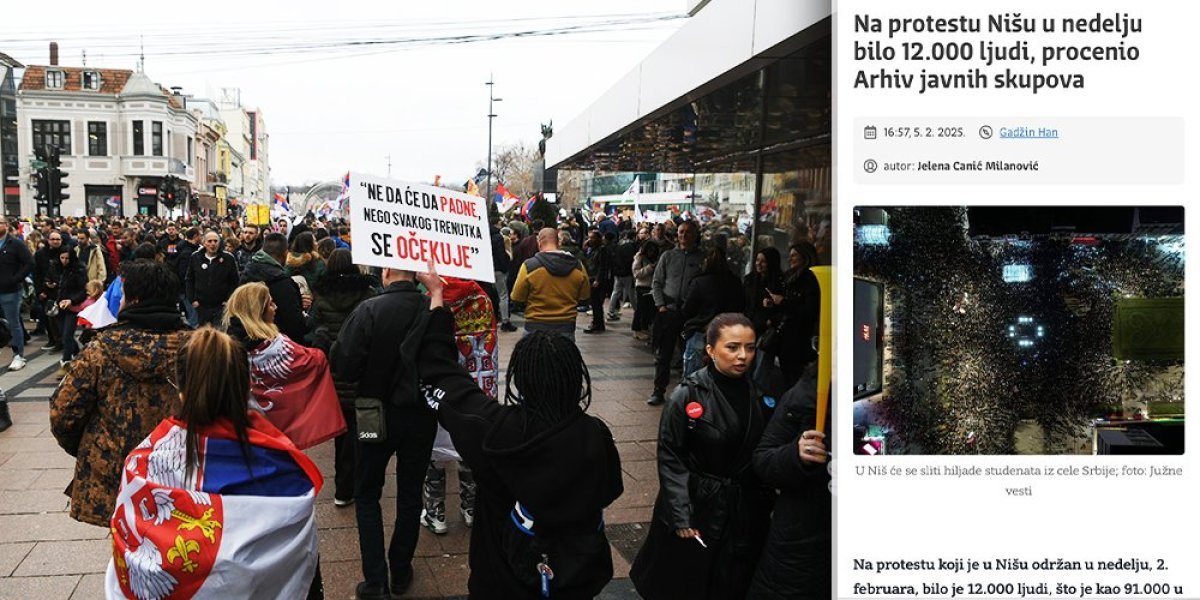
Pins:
<point x="794" y="205"/>
<point x="103" y="200"/>
<point x="756" y="151"/>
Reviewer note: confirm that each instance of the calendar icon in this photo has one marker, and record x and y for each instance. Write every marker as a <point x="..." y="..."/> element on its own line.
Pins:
<point x="870" y="132"/>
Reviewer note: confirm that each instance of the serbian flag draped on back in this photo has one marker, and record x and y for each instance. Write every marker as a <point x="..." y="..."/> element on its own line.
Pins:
<point x="292" y="386"/>
<point x="232" y="530"/>
<point x="478" y="346"/>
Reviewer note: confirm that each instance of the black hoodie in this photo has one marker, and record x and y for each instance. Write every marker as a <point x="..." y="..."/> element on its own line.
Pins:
<point x="562" y="477"/>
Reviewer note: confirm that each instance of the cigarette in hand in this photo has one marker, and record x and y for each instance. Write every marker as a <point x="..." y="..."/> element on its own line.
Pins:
<point x="701" y="541"/>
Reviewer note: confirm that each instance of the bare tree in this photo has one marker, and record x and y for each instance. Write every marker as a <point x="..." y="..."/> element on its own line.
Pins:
<point x="570" y="188"/>
<point x="512" y="165"/>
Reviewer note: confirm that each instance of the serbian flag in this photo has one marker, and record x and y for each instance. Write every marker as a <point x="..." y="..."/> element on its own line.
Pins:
<point x="281" y="203"/>
<point x="478" y="346"/>
<point x="234" y="529"/>
<point x="500" y="194"/>
<point x="528" y="206"/>
<point x="97" y="315"/>
<point x="291" y="385"/>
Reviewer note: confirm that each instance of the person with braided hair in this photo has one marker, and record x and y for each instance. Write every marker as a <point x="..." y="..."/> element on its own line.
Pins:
<point x="544" y="469"/>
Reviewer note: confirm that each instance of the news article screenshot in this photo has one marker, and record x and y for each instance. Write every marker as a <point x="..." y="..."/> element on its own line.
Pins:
<point x="1013" y="199"/>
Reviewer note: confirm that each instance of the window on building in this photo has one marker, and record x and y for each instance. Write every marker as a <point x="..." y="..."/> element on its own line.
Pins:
<point x="139" y="139"/>
<point x="97" y="138"/>
<point x="253" y="135"/>
<point x="55" y="79"/>
<point x="190" y="151"/>
<point x="50" y="134"/>
<point x="156" y="138"/>
<point x="91" y="80"/>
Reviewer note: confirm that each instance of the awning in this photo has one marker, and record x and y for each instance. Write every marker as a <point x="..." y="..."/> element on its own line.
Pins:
<point x="700" y="99"/>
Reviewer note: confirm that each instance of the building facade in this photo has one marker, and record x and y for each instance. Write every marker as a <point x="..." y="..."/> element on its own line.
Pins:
<point x="10" y="163"/>
<point x="126" y="143"/>
<point x="211" y="189"/>
<point x="248" y="149"/>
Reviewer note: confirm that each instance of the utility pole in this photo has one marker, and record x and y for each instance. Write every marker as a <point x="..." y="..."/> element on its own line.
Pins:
<point x="491" y="115"/>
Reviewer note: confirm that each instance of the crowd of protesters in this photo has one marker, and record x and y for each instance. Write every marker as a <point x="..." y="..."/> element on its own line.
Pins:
<point x="332" y="354"/>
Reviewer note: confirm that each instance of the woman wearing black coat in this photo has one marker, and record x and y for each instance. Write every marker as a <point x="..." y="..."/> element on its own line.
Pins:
<point x="544" y="469"/>
<point x="766" y="277"/>
<point x="714" y="291"/>
<point x="799" y="306"/>
<point x="72" y="292"/>
<point x="791" y="458"/>
<point x="712" y="511"/>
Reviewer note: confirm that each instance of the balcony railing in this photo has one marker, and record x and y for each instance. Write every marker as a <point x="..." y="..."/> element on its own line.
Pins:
<point x="156" y="166"/>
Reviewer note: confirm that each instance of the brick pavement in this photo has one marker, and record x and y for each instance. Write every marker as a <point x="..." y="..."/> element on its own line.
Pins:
<point x="44" y="554"/>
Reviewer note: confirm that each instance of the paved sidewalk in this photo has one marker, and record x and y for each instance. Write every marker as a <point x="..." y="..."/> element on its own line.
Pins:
<point x="46" y="555"/>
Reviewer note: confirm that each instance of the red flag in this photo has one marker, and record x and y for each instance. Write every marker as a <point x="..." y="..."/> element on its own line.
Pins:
<point x="291" y="384"/>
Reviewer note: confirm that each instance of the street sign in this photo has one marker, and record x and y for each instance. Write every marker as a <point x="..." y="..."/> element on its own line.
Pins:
<point x="38" y="164"/>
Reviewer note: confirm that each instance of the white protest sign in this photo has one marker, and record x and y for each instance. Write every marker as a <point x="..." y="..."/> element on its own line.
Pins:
<point x="402" y="225"/>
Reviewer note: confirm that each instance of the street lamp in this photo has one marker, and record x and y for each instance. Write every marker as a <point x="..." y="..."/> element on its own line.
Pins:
<point x="491" y="115"/>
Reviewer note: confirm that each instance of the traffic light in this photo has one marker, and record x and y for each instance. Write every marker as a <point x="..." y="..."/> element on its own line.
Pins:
<point x="42" y="177"/>
<point x="58" y="185"/>
<point x="57" y="178"/>
<point x="166" y="193"/>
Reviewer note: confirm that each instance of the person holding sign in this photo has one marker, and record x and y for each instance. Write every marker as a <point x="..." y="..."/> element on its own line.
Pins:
<point x="544" y="469"/>
<point x="551" y="285"/>
<point x="712" y="511"/>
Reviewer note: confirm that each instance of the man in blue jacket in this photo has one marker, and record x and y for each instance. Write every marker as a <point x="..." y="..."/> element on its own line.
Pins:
<point x="16" y="263"/>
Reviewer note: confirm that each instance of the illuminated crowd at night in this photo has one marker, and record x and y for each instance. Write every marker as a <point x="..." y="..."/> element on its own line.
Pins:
<point x="986" y="332"/>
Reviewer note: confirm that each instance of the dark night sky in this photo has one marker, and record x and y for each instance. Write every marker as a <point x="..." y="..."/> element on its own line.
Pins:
<point x="1004" y="220"/>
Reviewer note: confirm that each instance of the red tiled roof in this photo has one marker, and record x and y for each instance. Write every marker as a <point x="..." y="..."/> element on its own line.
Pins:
<point x="112" y="81"/>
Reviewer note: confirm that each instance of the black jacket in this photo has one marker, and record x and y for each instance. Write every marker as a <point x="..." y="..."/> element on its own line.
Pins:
<point x="796" y="560"/>
<point x="376" y="349"/>
<point x="16" y="263"/>
<point x="801" y="311"/>
<point x="243" y="254"/>
<point x="72" y="282"/>
<point x="44" y="261"/>
<point x="171" y="249"/>
<point x="600" y="264"/>
<point x="623" y="258"/>
<point x="562" y="477"/>
<point x="186" y="249"/>
<point x="289" y="312"/>
<point x="710" y="295"/>
<point x="756" y="287"/>
<point x="500" y="259"/>
<point x="210" y="282"/>
<point x="705" y="486"/>
<point x="334" y="298"/>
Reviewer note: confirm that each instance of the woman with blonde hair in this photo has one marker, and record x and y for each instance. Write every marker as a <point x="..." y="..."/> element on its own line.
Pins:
<point x="290" y="383"/>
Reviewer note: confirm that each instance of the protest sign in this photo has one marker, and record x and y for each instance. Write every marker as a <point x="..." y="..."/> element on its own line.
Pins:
<point x="402" y="225"/>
